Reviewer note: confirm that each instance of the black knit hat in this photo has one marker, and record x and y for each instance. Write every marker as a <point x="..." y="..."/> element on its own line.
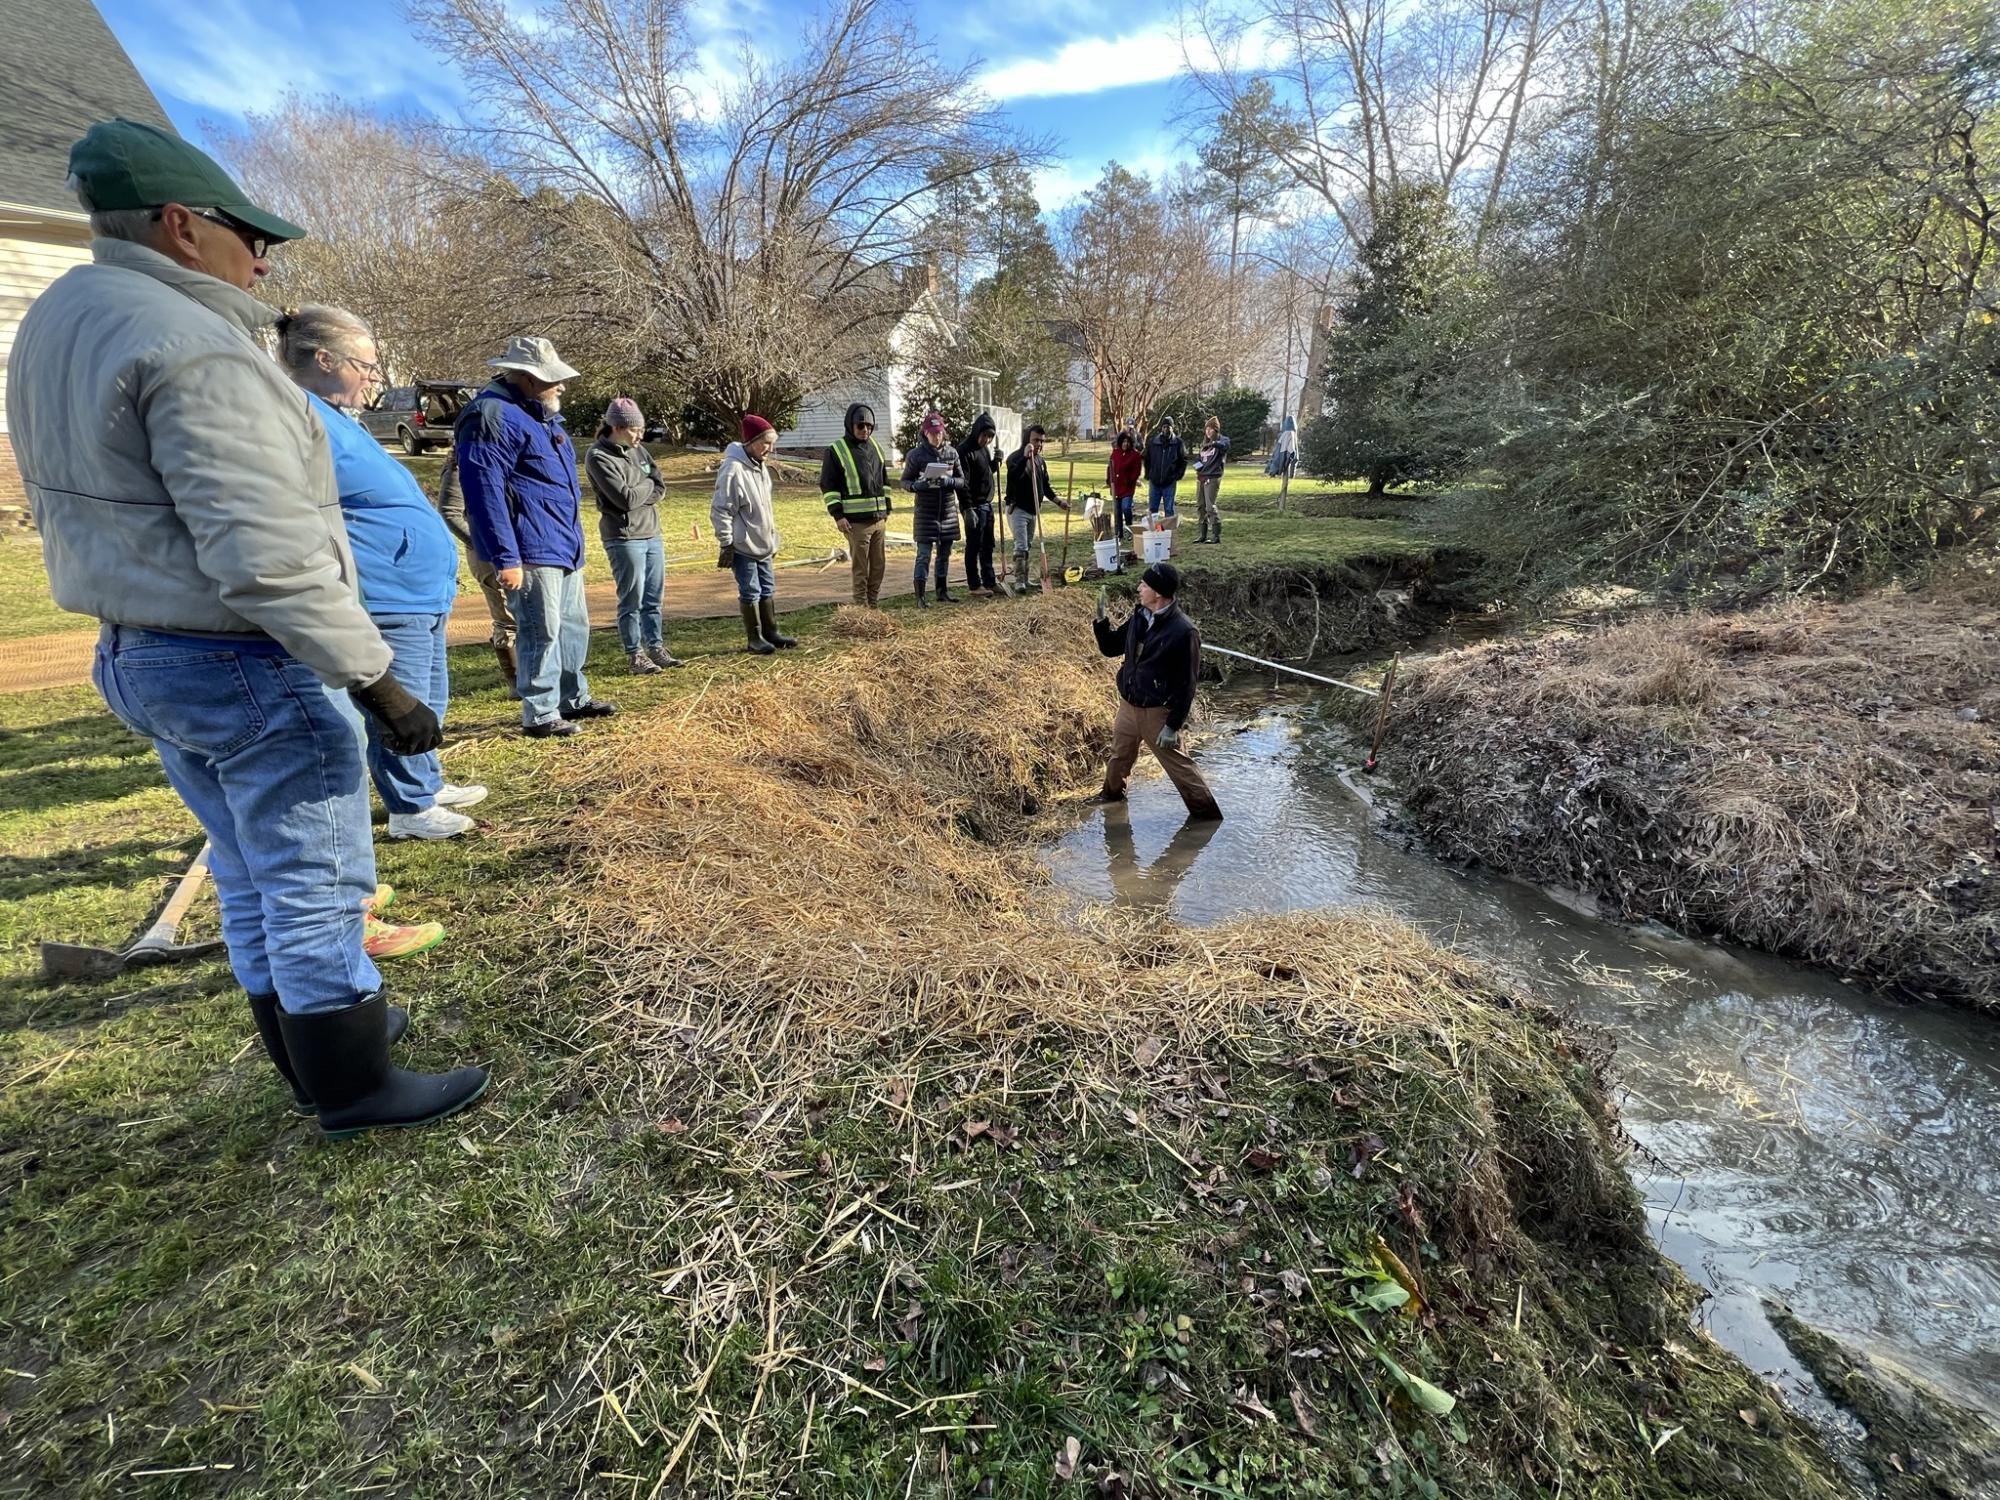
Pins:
<point x="1162" y="578"/>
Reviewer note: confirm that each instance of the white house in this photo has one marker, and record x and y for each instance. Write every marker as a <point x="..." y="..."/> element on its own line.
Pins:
<point x="884" y="385"/>
<point x="64" y="69"/>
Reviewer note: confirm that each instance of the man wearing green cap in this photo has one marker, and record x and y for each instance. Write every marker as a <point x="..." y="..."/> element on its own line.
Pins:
<point x="185" y="496"/>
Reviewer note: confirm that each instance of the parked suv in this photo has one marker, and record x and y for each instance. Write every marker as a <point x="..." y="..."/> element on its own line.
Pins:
<point x="418" y="416"/>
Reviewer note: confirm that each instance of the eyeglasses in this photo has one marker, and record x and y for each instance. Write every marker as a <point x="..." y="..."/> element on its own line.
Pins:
<point x="367" y="367"/>
<point x="864" y="426"/>
<point x="257" y="244"/>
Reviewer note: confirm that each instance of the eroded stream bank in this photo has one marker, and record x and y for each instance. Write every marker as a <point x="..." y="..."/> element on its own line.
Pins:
<point x="1798" y="1138"/>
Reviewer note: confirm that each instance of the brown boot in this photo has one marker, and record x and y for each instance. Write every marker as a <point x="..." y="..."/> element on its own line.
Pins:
<point x="510" y="671"/>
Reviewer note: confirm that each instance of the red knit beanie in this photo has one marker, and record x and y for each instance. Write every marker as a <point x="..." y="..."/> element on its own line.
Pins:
<point x="752" y="425"/>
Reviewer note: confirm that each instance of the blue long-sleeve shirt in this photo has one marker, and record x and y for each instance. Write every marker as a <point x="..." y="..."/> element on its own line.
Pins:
<point x="403" y="552"/>
<point x="517" y="470"/>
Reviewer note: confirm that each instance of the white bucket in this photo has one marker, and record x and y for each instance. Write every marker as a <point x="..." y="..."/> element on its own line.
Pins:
<point x="1158" y="544"/>
<point x="1107" y="555"/>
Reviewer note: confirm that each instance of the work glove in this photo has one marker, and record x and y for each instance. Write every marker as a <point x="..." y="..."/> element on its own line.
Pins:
<point x="1170" y="738"/>
<point x="1104" y="604"/>
<point x="725" y="557"/>
<point x="408" y="725"/>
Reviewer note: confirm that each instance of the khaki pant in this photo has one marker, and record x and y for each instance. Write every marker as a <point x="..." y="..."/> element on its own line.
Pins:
<point x="868" y="555"/>
<point x="1137" y="726"/>
<point x="497" y="608"/>
<point x="1205" y="491"/>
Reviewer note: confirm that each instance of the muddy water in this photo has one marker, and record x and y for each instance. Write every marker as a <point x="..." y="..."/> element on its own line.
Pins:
<point x="1799" y="1139"/>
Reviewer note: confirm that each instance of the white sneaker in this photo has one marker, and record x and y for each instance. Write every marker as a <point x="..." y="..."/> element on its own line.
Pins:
<point x="431" y="823"/>
<point x="459" y="796"/>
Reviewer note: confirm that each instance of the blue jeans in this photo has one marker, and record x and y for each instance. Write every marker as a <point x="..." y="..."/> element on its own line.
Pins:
<point x="271" y="769"/>
<point x="640" y="570"/>
<point x="552" y="639"/>
<point x="1158" y="495"/>
<point x="754" y="578"/>
<point x="407" y="783"/>
<point x="942" y="546"/>
<point x="1124" y="512"/>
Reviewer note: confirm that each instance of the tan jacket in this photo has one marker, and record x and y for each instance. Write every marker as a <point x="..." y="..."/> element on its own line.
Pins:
<point x="178" y="478"/>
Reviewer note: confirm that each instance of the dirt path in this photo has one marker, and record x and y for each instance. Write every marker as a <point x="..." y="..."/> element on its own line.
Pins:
<point x="62" y="659"/>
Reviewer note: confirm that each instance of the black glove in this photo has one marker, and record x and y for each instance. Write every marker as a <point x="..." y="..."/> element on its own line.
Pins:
<point x="408" y="726"/>
<point x="726" y="557"/>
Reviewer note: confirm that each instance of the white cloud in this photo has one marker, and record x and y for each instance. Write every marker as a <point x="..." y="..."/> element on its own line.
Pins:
<point x="1058" y="186"/>
<point x="236" y="56"/>
<point x="1089" y="65"/>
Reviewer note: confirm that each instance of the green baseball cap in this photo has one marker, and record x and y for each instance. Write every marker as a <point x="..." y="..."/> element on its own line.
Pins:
<point x="122" y="164"/>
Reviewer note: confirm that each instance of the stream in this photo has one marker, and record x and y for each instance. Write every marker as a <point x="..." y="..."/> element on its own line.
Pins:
<point x="1797" y="1138"/>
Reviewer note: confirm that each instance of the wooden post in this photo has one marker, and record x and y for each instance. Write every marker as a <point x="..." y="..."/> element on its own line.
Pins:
<point x="1382" y="712"/>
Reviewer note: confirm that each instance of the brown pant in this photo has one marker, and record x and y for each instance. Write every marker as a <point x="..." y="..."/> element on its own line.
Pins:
<point x="497" y="608"/>
<point x="868" y="554"/>
<point x="1137" y="726"/>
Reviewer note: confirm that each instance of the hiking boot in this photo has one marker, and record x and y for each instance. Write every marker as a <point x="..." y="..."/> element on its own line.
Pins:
<point x="554" y="729"/>
<point x="662" y="657"/>
<point x="944" y="595"/>
<point x="264" y="1011"/>
<point x="1103" y="799"/>
<point x="459" y="796"/>
<point x="594" y="709"/>
<point x="341" y="1059"/>
<point x="767" y="623"/>
<point x="384" y="940"/>
<point x="643" y="665"/>
<point x="753" y="631"/>
<point x="1204" y="812"/>
<point x="510" y="670"/>
<point x="431" y="823"/>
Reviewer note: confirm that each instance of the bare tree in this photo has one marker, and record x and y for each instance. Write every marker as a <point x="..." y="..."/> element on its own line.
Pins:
<point x="1140" y="283"/>
<point x="751" y="229"/>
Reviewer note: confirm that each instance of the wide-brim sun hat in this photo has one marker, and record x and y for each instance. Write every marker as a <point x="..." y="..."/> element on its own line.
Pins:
<point x="533" y="356"/>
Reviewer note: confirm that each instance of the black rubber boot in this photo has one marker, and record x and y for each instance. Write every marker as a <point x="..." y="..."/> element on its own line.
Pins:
<point x="510" y="671"/>
<point x="342" y="1061"/>
<point x="922" y="601"/>
<point x="944" y="591"/>
<point x="753" y="631"/>
<point x="767" y="621"/>
<point x="264" y="1011"/>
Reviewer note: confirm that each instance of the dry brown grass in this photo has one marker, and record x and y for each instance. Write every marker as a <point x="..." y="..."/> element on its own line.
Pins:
<point x="830" y="858"/>
<point x="852" y="622"/>
<point x="1818" y="779"/>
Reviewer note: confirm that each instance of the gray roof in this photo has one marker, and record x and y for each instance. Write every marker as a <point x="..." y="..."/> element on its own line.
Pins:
<point x="64" y="69"/>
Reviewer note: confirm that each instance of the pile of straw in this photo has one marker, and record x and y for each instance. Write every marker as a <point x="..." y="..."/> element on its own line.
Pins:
<point x="1819" y="780"/>
<point x="830" y="857"/>
<point x="851" y="622"/>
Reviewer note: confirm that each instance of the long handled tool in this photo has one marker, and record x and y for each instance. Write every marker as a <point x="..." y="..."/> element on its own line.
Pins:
<point x="155" y="945"/>
<point x="1037" y="479"/>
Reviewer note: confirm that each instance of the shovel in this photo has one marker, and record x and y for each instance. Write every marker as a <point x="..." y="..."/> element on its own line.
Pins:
<point x="155" y="945"/>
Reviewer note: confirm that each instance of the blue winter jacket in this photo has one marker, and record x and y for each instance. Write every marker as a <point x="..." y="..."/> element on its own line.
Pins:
<point x="517" y="467"/>
<point x="403" y="555"/>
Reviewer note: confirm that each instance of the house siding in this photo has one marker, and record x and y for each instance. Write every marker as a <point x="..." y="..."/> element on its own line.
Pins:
<point x="31" y="256"/>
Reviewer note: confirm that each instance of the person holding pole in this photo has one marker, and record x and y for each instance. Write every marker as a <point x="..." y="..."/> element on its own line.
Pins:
<point x="1156" y="683"/>
<point x="1028" y="484"/>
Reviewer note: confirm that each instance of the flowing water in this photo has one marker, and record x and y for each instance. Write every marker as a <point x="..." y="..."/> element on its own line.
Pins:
<point x="1798" y="1139"/>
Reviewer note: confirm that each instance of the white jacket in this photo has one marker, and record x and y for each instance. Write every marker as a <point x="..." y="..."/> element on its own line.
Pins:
<point x="740" y="515"/>
<point x="179" y="480"/>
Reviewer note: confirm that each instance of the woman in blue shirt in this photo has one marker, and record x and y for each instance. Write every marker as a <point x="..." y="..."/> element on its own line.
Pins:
<point x="405" y="556"/>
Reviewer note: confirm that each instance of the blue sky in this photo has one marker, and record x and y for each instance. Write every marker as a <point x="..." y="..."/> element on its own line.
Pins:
<point x="1096" y="77"/>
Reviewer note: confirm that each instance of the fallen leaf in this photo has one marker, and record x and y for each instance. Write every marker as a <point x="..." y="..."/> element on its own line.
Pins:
<point x="1002" y="1136"/>
<point x="877" y="1365"/>
<point x="673" y="1126"/>
<point x="1364" y="1152"/>
<point x="1303" y="1413"/>
<point x="1294" y="1283"/>
<point x="974" y="1129"/>
<point x="1263" y="1160"/>
<point x="1148" y="1052"/>
<point x="1749" y="1416"/>
<point x="1068" y="1457"/>
<point x="1247" y="1403"/>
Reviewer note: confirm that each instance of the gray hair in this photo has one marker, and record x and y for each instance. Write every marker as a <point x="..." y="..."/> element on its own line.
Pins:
<point x="139" y="225"/>
<point x="304" y="331"/>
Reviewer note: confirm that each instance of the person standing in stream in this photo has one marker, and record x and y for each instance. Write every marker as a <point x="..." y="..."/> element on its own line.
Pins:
<point x="628" y="487"/>
<point x="746" y="534"/>
<point x="1156" y="683"/>
<point x="936" y="506"/>
<point x="854" y="482"/>
<point x="975" y="504"/>
<point x="1208" y="478"/>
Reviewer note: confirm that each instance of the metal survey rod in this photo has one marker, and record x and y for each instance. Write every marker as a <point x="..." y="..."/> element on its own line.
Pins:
<point x="1278" y="666"/>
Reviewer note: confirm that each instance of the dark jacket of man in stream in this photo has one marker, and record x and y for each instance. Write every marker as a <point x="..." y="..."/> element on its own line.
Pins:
<point x="1162" y="651"/>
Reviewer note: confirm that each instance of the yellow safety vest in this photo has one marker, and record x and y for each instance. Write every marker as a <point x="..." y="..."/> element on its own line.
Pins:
<point x="854" y="502"/>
